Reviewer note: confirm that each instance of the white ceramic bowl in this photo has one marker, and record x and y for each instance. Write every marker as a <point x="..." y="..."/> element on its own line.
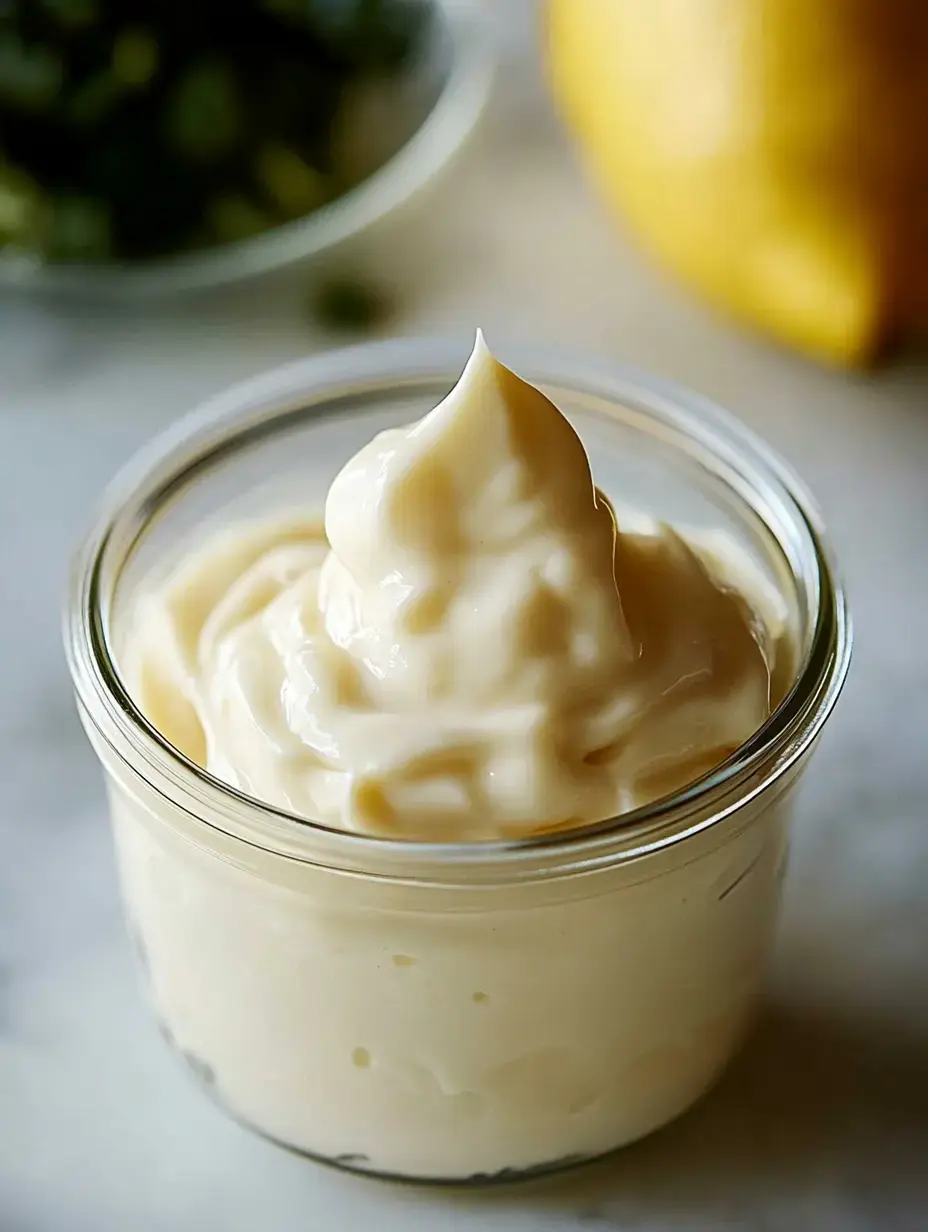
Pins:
<point x="437" y="106"/>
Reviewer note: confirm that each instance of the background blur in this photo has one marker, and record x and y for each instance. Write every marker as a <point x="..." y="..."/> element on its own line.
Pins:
<point x="824" y="1121"/>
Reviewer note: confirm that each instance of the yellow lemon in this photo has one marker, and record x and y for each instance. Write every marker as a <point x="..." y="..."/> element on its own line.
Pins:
<point x="774" y="153"/>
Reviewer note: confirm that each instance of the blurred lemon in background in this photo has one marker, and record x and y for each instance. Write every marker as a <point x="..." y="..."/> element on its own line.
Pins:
<point x="774" y="153"/>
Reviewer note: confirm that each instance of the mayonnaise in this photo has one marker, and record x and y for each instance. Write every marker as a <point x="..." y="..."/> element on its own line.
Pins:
<point x="473" y="650"/>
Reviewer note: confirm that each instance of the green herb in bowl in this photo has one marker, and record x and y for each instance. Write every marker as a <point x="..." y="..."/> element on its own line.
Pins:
<point x="136" y="130"/>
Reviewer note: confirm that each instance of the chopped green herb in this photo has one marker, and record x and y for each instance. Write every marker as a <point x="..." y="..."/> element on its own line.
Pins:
<point x="349" y="306"/>
<point x="132" y="130"/>
<point x="135" y="57"/>
<point x="30" y="74"/>
<point x="79" y="229"/>
<point x="236" y="218"/>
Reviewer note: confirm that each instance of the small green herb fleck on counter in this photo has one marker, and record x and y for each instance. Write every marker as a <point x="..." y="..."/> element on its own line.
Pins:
<point x="350" y="306"/>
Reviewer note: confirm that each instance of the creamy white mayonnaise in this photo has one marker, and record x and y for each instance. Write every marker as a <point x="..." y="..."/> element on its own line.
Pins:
<point x="472" y="650"/>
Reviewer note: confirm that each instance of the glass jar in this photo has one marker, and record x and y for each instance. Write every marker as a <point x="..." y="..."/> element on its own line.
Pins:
<point x="451" y="1011"/>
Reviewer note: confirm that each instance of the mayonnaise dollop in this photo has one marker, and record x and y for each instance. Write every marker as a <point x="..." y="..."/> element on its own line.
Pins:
<point x="471" y="651"/>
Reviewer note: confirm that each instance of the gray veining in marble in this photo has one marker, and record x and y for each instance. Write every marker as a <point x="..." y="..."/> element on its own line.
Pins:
<point x="823" y="1122"/>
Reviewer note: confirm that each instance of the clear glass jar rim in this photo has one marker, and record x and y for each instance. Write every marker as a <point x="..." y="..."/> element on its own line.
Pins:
<point x="260" y="406"/>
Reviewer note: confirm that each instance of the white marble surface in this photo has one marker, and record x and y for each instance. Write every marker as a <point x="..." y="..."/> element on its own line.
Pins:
<point x="823" y="1123"/>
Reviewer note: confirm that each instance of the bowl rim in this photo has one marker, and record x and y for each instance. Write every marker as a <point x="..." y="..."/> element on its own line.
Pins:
<point x="453" y="116"/>
<point x="332" y="380"/>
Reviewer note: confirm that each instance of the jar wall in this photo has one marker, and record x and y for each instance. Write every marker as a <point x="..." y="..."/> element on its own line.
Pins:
<point x="452" y="1041"/>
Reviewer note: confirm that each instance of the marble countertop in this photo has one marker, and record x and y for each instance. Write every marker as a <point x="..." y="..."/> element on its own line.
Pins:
<point x="823" y="1121"/>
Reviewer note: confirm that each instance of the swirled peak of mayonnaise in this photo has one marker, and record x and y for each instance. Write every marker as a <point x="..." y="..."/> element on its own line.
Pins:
<point x="471" y="651"/>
